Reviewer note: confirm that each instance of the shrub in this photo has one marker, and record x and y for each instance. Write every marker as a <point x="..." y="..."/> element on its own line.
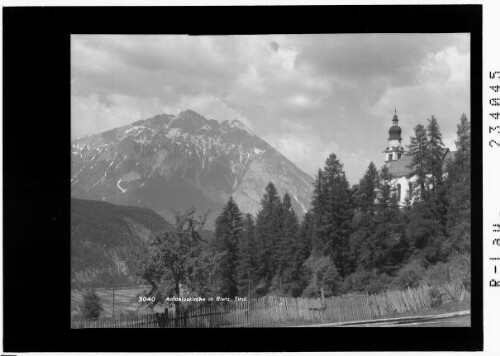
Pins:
<point x="437" y="274"/>
<point x="378" y="284"/>
<point x="455" y="271"/>
<point x="311" y="291"/>
<point x="436" y="297"/>
<point x="410" y="276"/>
<point x="365" y="282"/>
<point x="359" y="282"/>
<point x="261" y="289"/>
<point x="356" y="282"/>
<point x="92" y="306"/>
<point x="460" y="270"/>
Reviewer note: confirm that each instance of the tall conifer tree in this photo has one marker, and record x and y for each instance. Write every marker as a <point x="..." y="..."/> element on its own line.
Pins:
<point x="367" y="191"/>
<point x="435" y="150"/>
<point x="267" y="231"/>
<point x="458" y="197"/>
<point x="228" y="229"/>
<point x="288" y="233"/>
<point x="247" y="267"/>
<point x="417" y="150"/>
<point x="333" y="212"/>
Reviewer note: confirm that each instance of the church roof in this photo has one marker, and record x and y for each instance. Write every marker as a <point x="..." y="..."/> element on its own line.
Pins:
<point x="400" y="168"/>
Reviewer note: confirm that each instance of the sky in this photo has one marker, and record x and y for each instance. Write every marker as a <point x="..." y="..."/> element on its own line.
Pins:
<point x="306" y="95"/>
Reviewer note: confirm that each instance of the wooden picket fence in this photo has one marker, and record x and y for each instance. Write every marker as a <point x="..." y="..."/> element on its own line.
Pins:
<point x="276" y="311"/>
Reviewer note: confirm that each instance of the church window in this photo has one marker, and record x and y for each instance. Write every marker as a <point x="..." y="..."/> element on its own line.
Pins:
<point x="399" y="191"/>
<point x="410" y="190"/>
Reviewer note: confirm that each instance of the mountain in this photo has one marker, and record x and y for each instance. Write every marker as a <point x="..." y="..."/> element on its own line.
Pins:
<point x="103" y="238"/>
<point x="173" y="162"/>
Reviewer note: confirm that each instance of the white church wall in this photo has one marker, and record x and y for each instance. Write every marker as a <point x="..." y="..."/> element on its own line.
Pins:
<point x="405" y="188"/>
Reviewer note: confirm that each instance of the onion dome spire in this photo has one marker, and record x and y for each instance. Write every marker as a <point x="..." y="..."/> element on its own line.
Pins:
<point x="395" y="130"/>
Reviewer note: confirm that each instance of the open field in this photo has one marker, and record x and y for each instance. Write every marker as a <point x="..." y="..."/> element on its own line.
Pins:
<point x="126" y="302"/>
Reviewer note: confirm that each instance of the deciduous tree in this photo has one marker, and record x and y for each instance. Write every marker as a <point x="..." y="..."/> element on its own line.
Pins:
<point x="176" y="261"/>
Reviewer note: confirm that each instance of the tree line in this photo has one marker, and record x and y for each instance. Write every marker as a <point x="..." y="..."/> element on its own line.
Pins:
<point x="356" y="238"/>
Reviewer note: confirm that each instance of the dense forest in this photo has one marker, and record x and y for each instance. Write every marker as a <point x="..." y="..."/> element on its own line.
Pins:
<point x="355" y="239"/>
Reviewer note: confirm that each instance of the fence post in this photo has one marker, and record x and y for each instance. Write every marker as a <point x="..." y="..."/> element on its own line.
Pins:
<point x="166" y="318"/>
<point x="247" y="313"/>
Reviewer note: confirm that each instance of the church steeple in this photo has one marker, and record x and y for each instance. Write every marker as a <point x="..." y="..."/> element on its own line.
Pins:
<point x="395" y="119"/>
<point x="395" y="150"/>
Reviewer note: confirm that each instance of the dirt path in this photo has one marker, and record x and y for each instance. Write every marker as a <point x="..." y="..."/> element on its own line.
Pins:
<point x="461" y="318"/>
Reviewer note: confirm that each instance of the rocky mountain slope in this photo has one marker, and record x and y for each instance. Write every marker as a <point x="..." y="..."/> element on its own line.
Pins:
<point x="173" y="162"/>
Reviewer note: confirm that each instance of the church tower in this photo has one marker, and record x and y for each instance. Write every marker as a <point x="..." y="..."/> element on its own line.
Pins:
<point x="394" y="150"/>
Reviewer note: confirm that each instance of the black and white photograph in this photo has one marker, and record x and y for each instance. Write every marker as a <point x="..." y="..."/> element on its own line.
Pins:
<point x="250" y="177"/>
<point x="270" y="181"/>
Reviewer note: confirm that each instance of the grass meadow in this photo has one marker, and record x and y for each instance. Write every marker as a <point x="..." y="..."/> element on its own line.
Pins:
<point x="126" y="302"/>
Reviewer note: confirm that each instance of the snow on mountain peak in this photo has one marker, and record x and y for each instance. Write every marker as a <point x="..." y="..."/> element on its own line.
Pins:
<point x="237" y="124"/>
<point x="173" y="133"/>
<point x="258" y="151"/>
<point x="185" y="160"/>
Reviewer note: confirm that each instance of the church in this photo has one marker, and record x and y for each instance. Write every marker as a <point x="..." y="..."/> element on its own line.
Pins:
<point x="398" y="163"/>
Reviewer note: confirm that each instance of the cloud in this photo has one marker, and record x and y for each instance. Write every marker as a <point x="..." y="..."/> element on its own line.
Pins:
<point x="442" y="91"/>
<point x="391" y="58"/>
<point x="275" y="46"/>
<point x="210" y="106"/>
<point x="303" y="146"/>
<point x="308" y="95"/>
<point x="307" y="151"/>
<point x="97" y="113"/>
<point x="236" y="71"/>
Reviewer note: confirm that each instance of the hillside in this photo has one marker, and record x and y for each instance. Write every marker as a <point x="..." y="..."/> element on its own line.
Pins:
<point x="103" y="236"/>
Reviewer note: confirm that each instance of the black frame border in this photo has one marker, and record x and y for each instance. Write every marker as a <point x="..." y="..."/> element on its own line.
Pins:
<point x="36" y="126"/>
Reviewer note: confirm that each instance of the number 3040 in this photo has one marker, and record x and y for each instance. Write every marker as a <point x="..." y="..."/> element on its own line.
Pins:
<point x="146" y="299"/>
